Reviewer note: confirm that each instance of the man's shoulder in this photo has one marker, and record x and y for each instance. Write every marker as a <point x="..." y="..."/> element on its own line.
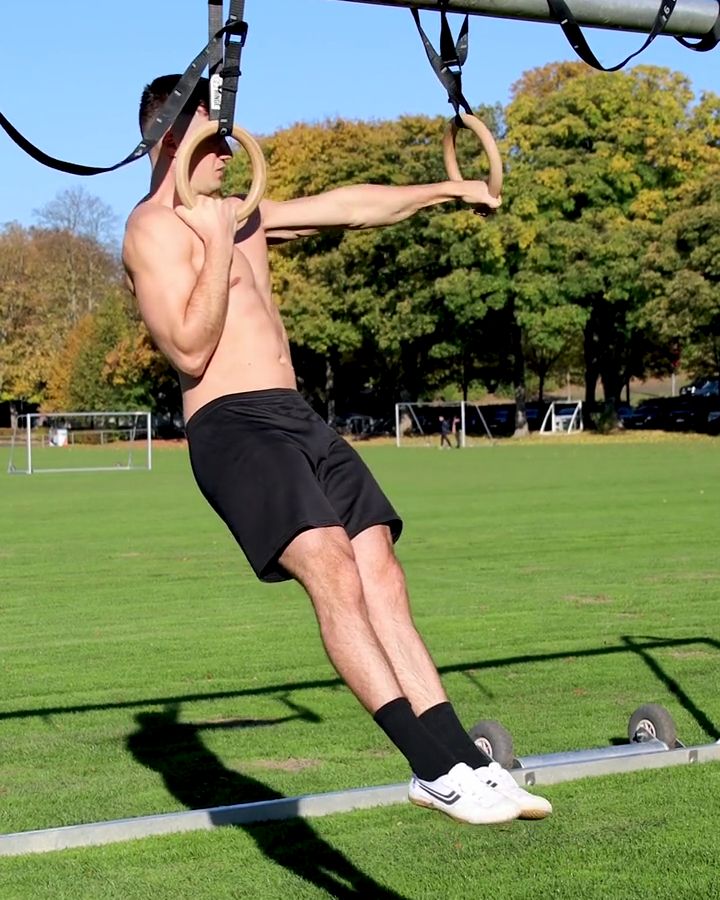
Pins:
<point x="148" y="214"/>
<point x="149" y="224"/>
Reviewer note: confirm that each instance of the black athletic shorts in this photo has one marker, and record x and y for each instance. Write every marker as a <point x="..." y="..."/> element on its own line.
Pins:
<point x="271" y="468"/>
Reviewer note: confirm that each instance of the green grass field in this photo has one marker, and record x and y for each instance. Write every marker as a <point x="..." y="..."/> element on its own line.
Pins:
<point x="558" y="584"/>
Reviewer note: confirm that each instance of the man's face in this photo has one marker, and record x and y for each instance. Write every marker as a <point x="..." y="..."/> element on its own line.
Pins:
<point x="208" y="161"/>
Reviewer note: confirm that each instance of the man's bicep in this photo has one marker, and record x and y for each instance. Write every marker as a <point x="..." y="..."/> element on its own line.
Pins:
<point x="163" y="280"/>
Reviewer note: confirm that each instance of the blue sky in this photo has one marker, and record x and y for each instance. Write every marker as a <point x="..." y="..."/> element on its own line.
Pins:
<point x="73" y="75"/>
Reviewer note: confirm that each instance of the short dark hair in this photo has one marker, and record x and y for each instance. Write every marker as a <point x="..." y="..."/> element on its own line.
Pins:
<point x="157" y="92"/>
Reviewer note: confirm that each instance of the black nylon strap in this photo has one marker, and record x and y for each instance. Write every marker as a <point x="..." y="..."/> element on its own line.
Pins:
<point x="560" y="11"/>
<point x="215" y="23"/>
<point x="164" y="120"/>
<point x="448" y="64"/>
<point x="708" y="41"/>
<point x="235" y="28"/>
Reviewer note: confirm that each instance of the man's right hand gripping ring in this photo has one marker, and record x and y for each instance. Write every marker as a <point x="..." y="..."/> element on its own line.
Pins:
<point x="257" y="161"/>
<point x="495" y="178"/>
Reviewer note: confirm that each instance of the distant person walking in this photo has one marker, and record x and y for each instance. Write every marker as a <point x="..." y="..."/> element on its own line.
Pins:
<point x="444" y="432"/>
<point x="457" y="430"/>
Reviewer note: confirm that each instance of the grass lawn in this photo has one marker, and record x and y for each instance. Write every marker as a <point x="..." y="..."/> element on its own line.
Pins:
<point x="559" y="584"/>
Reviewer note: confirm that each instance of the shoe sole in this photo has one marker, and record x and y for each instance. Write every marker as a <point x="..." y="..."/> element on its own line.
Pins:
<point x="428" y="805"/>
<point x="534" y="814"/>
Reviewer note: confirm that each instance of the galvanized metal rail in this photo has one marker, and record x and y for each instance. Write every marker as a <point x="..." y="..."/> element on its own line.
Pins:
<point x="691" y="18"/>
<point x="533" y="770"/>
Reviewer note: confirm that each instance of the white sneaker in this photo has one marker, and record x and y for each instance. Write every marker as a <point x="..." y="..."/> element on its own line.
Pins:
<point x="531" y="806"/>
<point x="463" y="796"/>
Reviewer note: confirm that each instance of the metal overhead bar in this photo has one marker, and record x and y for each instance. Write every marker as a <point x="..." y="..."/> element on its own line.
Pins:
<point x="690" y="18"/>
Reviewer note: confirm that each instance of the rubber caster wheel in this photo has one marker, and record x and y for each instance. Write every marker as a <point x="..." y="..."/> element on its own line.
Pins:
<point x="652" y="721"/>
<point x="495" y="740"/>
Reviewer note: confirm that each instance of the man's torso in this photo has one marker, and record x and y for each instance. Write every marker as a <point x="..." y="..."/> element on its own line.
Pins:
<point x="253" y="352"/>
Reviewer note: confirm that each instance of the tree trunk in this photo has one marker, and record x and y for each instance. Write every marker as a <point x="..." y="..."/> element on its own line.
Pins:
<point x="541" y="385"/>
<point x="612" y="384"/>
<point x="591" y="366"/>
<point x="521" y="423"/>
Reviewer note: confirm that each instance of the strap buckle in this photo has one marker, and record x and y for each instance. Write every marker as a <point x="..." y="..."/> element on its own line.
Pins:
<point x="236" y="28"/>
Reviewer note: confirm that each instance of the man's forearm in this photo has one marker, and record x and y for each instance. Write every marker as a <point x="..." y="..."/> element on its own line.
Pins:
<point x="205" y="312"/>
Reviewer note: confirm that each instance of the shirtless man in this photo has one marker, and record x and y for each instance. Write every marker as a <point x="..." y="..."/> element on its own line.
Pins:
<point x="297" y="498"/>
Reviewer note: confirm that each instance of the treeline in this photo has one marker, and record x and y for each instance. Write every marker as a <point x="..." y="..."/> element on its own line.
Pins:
<point x="604" y="261"/>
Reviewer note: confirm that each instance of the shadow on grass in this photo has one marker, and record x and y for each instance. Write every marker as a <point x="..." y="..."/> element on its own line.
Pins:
<point x="637" y="645"/>
<point x="670" y="684"/>
<point x="198" y="779"/>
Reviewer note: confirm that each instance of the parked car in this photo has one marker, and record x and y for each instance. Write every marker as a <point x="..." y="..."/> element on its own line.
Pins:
<point x="711" y="388"/>
<point x="685" y="413"/>
<point x="704" y="386"/>
<point x="650" y="414"/>
<point x="713" y="421"/>
<point x="632" y="417"/>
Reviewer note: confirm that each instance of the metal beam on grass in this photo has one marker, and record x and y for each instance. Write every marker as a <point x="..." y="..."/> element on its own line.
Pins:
<point x="118" y="830"/>
<point x="690" y="18"/>
<point x="535" y="770"/>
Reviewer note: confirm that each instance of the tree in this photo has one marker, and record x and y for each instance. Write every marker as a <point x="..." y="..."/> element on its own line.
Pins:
<point x="683" y="277"/>
<point x="50" y="277"/>
<point x="104" y="363"/>
<point x="374" y="301"/>
<point x="31" y="324"/>
<point x="594" y="161"/>
<point x="78" y="212"/>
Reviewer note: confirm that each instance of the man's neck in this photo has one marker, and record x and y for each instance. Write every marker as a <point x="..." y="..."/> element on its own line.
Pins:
<point x="162" y="182"/>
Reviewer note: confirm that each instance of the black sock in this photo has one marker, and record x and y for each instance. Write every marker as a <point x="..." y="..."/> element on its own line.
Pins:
<point x="428" y="758"/>
<point x="442" y="722"/>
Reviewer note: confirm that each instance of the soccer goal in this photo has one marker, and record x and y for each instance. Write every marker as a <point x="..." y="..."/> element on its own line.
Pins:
<point x="563" y="418"/>
<point x="445" y="424"/>
<point x="81" y="442"/>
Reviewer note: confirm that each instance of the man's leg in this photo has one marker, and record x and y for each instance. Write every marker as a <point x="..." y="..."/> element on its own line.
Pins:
<point x="389" y="612"/>
<point x="388" y="605"/>
<point x="322" y="560"/>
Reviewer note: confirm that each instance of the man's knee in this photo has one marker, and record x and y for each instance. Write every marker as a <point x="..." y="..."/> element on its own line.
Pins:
<point x="320" y="556"/>
<point x="376" y="560"/>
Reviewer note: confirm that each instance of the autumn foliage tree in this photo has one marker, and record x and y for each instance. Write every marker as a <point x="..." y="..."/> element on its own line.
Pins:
<point x="602" y="260"/>
<point x="596" y="164"/>
<point x="107" y="362"/>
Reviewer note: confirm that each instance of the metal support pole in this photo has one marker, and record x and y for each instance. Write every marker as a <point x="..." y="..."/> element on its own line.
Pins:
<point x="149" y="441"/>
<point x="691" y="18"/>
<point x="28" y="438"/>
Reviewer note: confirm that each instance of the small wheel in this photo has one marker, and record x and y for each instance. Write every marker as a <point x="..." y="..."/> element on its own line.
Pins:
<point x="257" y="160"/>
<point x="495" y="177"/>
<point x="652" y="721"/>
<point x="494" y="739"/>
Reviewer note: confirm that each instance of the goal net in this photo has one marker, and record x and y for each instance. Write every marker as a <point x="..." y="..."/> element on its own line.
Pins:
<point x="451" y="425"/>
<point x="563" y="418"/>
<point x="81" y="442"/>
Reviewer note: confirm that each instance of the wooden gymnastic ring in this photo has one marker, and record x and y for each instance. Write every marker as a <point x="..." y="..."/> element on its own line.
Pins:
<point x="257" y="161"/>
<point x="495" y="178"/>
